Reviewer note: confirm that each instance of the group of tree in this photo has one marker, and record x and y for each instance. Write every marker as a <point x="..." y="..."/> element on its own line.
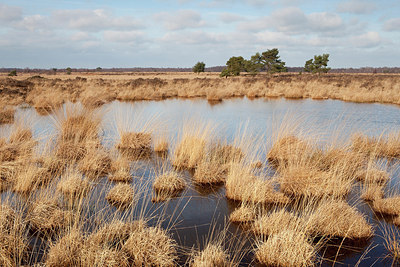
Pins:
<point x="317" y="65"/>
<point x="268" y="61"/>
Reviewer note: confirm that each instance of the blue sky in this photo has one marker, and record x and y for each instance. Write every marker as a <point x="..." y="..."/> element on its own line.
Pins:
<point x="178" y="33"/>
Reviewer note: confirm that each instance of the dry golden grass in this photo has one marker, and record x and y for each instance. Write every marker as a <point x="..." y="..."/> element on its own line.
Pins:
<point x="286" y="248"/>
<point x="189" y="152"/>
<point x="212" y="255"/>
<point x="276" y="221"/>
<point x="242" y="185"/>
<point x="47" y="216"/>
<point x="389" y="206"/>
<point x="289" y="148"/>
<point x="150" y="246"/>
<point x="372" y="192"/>
<point x="95" y="163"/>
<point x="306" y="181"/>
<point x="73" y="185"/>
<point x="78" y="125"/>
<point x="335" y="218"/>
<point x="392" y="244"/>
<point x="103" y="256"/>
<point x="167" y="185"/>
<point x="244" y="214"/>
<point x="30" y="177"/>
<point x="70" y="151"/>
<point x="135" y="144"/>
<point x="121" y="195"/>
<point x="161" y="145"/>
<point x="7" y="115"/>
<point x="66" y="251"/>
<point x="210" y="172"/>
<point x="386" y="145"/>
<point x="373" y="176"/>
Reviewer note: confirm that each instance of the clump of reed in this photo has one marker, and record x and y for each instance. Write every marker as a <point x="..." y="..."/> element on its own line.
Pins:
<point x="246" y="213"/>
<point x="121" y="195"/>
<point x="150" y="246"/>
<point x="373" y="175"/>
<point x="161" y="145"/>
<point x="13" y="238"/>
<point x="288" y="148"/>
<point x="336" y="218"/>
<point x="384" y="146"/>
<point x="392" y="243"/>
<point x="67" y="251"/>
<point x="29" y="177"/>
<point x="192" y="146"/>
<point x="47" y="216"/>
<point x="167" y="185"/>
<point x="242" y="185"/>
<point x="372" y="192"/>
<point x="388" y="206"/>
<point x="120" y="170"/>
<point x="6" y="115"/>
<point x="211" y="255"/>
<point x="308" y="181"/>
<point x="286" y="248"/>
<point x="272" y="223"/>
<point x="73" y="185"/>
<point x="95" y="163"/>
<point x="135" y="144"/>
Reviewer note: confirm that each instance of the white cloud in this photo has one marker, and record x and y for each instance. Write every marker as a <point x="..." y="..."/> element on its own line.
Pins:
<point x="9" y="13"/>
<point x="182" y="19"/>
<point x="131" y="37"/>
<point x="392" y="25"/>
<point x="230" y="17"/>
<point x="367" y="40"/>
<point x="356" y="7"/>
<point x="93" y="20"/>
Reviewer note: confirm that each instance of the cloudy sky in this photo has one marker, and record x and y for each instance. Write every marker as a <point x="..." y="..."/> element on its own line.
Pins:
<point x="178" y="33"/>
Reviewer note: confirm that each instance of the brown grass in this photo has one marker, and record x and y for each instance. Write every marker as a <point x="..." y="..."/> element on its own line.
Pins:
<point x="372" y="192"/>
<point x="337" y="219"/>
<point x="30" y="177"/>
<point x="244" y="214"/>
<point x="135" y="144"/>
<point x="210" y="172"/>
<point x="389" y="206"/>
<point x="67" y="251"/>
<point x="286" y="248"/>
<point x="288" y="148"/>
<point x="212" y="255"/>
<point x="48" y="217"/>
<point x="95" y="163"/>
<point x="73" y="185"/>
<point x="150" y="246"/>
<point x="7" y="115"/>
<point x="373" y="175"/>
<point x="242" y="185"/>
<point x="274" y="222"/>
<point x="121" y="195"/>
<point x="167" y="185"/>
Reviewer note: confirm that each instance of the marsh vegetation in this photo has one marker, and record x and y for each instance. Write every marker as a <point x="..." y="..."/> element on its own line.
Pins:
<point x="115" y="186"/>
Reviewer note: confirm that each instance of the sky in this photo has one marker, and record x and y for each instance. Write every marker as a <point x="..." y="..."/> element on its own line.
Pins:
<point x="179" y="33"/>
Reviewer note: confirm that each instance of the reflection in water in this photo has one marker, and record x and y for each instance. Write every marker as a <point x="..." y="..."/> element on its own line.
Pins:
<point x="201" y="210"/>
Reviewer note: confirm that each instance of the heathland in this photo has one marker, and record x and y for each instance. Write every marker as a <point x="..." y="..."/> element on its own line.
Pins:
<point x="87" y="193"/>
<point x="95" y="89"/>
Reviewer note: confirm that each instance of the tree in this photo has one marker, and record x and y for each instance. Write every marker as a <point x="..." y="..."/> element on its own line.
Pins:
<point x="199" y="67"/>
<point x="69" y="70"/>
<point x="269" y="61"/>
<point x="98" y="68"/>
<point x="54" y="69"/>
<point x="318" y="64"/>
<point x="233" y="67"/>
<point x="13" y="73"/>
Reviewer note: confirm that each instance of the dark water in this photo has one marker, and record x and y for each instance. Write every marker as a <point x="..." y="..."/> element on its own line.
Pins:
<point x="199" y="214"/>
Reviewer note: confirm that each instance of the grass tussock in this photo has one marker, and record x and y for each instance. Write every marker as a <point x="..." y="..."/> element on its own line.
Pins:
<point x="6" y="115"/>
<point x="151" y="246"/>
<point x="73" y="185"/>
<point x="121" y="195"/>
<point x="95" y="163"/>
<point x="210" y="172"/>
<point x="272" y="223"/>
<point x="335" y="218"/>
<point x="288" y="148"/>
<point x="48" y="217"/>
<point x="67" y="251"/>
<point x="161" y="145"/>
<point x="167" y="185"/>
<point x="286" y="248"/>
<point x="242" y="185"/>
<point x="388" y="206"/>
<point x="372" y="192"/>
<point x="30" y="177"/>
<point x="120" y="170"/>
<point x="384" y="146"/>
<point x="244" y="214"/>
<point x="134" y="144"/>
<point x="212" y="255"/>
<point x="373" y="176"/>
<point x="392" y="244"/>
<point x="306" y="181"/>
